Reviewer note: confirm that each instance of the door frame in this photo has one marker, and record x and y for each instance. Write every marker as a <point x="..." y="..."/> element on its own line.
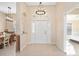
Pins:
<point x="50" y="29"/>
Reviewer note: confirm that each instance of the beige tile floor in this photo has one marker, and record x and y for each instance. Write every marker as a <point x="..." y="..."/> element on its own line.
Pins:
<point x="41" y="50"/>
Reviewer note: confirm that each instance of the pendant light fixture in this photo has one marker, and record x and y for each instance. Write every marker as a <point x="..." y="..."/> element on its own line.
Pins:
<point x="9" y="17"/>
<point x="40" y="10"/>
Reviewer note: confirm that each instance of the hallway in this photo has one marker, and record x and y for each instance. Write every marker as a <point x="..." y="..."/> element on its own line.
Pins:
<point x="40" y="50"/>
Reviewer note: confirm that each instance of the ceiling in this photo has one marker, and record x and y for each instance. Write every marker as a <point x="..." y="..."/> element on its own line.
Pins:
<point x="37" y="3"/>
<point x="75" y="11"/>
<point x="4" y="7"/>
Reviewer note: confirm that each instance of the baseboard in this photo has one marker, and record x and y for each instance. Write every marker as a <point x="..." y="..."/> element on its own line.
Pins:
<point x="61" y="50"/>
<point x="43" y="43"/>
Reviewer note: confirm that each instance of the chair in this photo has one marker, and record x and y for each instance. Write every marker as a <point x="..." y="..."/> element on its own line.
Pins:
<point x="12" y="38"/>
<point x="6" y="39"/>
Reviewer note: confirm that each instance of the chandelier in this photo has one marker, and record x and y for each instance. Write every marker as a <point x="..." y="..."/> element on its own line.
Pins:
<point x="40" y="10"/>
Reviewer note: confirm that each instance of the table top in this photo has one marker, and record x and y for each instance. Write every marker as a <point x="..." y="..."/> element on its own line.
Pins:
<point x="1" y="36"/>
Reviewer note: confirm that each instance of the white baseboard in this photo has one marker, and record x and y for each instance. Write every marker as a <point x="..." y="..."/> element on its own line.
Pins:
<point x="43" y="43"/>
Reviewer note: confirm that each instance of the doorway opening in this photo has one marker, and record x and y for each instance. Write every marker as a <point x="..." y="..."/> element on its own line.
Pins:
<point x="40" y="31"/>
<point x="72" y="32"/>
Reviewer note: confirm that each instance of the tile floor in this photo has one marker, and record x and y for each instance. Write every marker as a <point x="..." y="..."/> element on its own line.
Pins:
<point x="41" y="50"/>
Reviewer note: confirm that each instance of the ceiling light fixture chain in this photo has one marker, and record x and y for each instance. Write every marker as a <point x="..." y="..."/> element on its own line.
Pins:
<point x="9" y="11"/>
<point x="9" y="15"/>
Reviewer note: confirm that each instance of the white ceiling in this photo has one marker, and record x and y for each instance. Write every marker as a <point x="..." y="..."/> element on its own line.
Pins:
<point x="37" y="3"/>
<point x="74" y="11"/>
<point x="4" y="7"/>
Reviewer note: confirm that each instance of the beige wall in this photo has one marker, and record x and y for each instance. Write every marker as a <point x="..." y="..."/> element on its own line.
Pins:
<point x="23" y="24"/>
<point x="2" y="22"/>
<point x="75" y="25"/>
<point x="60" y="26"/>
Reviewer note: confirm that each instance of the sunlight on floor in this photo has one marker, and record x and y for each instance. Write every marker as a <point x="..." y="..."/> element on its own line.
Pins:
<point x="70" y="50"/>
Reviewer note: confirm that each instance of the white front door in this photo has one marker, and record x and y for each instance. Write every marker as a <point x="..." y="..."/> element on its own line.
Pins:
<point x="40" y="31"/>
